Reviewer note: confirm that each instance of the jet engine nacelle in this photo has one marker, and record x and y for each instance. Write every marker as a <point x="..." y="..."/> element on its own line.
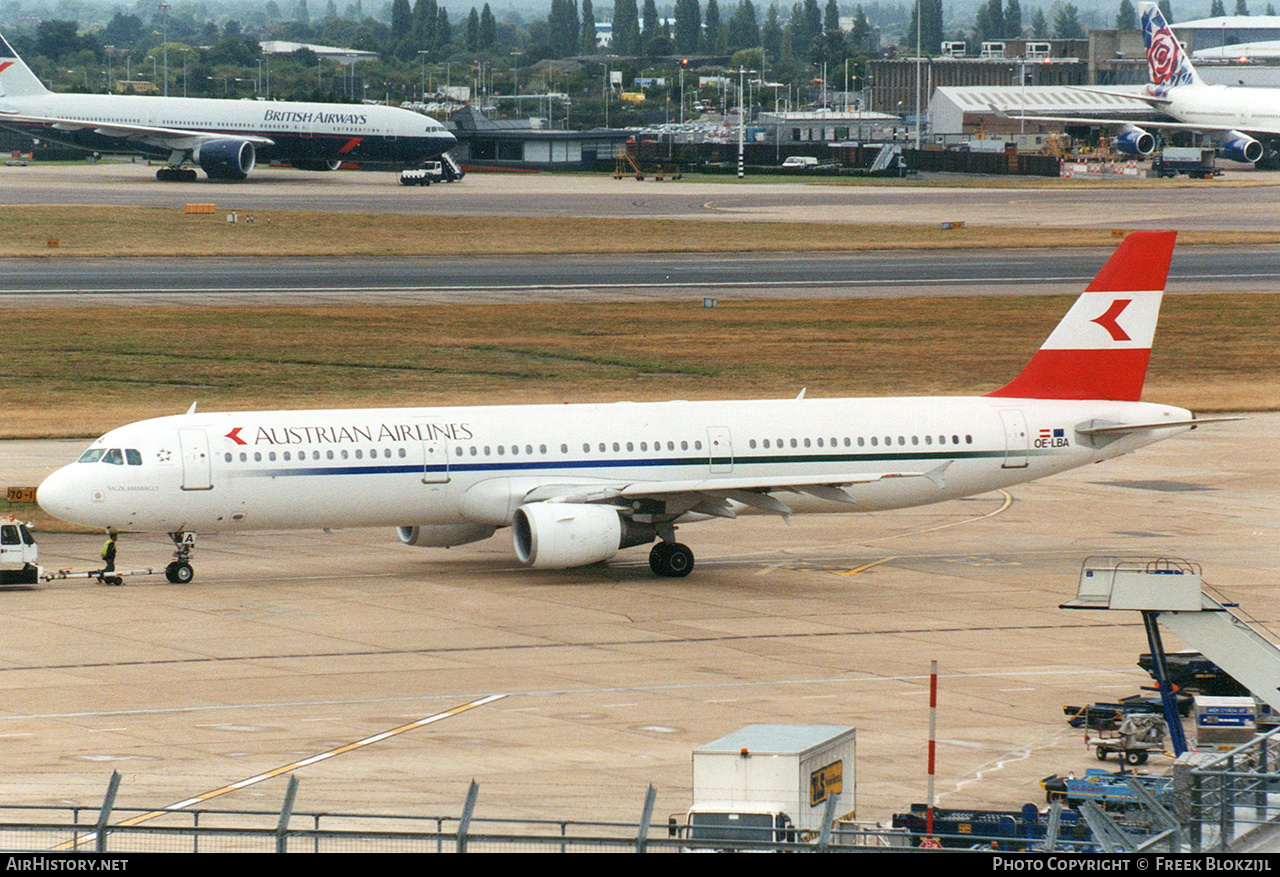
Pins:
<point x="1135" y="142"/>
<point x="552" y="535"/>
<point x="330" y="164"/>
<point x="443" y="535"/>
<point x="1243" y="149"/>
<point x="226" y="159"/>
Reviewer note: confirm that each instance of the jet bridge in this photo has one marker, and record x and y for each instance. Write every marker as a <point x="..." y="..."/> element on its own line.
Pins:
<point x="1171" y="592"/>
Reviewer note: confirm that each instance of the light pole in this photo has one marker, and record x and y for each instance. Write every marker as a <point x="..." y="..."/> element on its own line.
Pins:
<point x="164" y="10"/>
<point x="919" y="19"/>
<point x="683" y="64"/>
<point x="515" y="82"/>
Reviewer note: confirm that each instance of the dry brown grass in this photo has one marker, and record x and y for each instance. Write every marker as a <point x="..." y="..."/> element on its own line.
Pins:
<point x="78" y="372"/>
<point x="141" y="231"/>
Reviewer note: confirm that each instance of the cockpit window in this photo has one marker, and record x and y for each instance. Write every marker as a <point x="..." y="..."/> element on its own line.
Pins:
<point x="115" y="456"/>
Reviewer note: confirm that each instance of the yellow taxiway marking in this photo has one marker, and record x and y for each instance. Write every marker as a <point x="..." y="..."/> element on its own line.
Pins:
<point x="1008" y="501"/>
<point x="305" y="762"/>
<point x="864" y="567"/>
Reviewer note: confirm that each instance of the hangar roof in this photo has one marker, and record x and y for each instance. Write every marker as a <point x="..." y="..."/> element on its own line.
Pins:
<point x="948" y="105"/>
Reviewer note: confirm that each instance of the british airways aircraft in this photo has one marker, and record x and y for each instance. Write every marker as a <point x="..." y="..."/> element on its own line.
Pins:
<point x="225" y="138"/>
<point x="1234" y="118"/>
<point x="576" y="484"/>
<point x="1242" y="122"/>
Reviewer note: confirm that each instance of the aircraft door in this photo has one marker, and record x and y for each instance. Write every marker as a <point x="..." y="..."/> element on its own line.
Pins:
<point x="1016" y="438"/>
<point x="720" y="447"/>
<point x="197" y="473"/>
<point x="435" y="455"/>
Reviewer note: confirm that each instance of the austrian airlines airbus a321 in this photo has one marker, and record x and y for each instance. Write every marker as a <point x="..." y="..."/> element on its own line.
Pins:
<point x="576" y="484"/>
<point x="225" y="138"/>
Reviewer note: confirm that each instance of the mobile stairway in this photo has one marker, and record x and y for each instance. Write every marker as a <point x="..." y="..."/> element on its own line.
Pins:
<point x="1171" y="592"/>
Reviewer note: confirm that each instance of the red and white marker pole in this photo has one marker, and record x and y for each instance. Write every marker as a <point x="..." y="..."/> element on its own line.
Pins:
<point x="933" y="738"/>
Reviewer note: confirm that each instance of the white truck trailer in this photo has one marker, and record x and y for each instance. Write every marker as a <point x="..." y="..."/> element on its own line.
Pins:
<point x="770" y="784"/>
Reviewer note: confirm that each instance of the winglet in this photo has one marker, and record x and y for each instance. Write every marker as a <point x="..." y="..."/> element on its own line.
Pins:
<point x="1101" y="348"/>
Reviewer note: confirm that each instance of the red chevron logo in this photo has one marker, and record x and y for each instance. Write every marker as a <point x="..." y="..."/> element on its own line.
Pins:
<point x="1108" y="320"/>
<point x="234" y="435"/>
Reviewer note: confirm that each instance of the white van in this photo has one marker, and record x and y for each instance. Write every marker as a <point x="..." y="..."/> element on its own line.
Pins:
<point x="800" y="161"/>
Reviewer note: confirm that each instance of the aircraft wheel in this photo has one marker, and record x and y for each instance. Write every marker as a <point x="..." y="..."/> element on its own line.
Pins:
<point x="671" y="559"/>
<point x="179" y="573"/>
<point x="658" y="558"/>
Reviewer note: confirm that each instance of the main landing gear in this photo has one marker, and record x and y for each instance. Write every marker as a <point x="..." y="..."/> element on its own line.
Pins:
<point x="671" y="559"/>
<point x="179" y="570"/>
<point x="171" y="174"/>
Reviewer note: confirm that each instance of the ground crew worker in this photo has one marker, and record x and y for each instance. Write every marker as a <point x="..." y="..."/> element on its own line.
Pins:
<point x="108" y="556"/>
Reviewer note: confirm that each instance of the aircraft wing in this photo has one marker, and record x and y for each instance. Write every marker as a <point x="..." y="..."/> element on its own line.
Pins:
<point x="1143" y="123"/>
<point x="713" y="495"/>
<point x="170" y="138"/>
<point x="1149" y="99"/>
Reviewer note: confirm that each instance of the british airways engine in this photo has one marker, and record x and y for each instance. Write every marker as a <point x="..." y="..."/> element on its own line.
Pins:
<point x="1243" y="148"/>
<point x="1135" y="141"/>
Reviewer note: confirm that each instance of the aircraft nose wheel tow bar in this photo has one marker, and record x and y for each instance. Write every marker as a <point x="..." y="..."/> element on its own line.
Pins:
<point x="179" y="570"/>
<point x="671" y="559"/>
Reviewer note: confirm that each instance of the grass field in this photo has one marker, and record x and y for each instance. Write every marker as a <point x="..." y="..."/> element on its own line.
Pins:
<point x="142" y="231"/>
<point x="79" y="372"/>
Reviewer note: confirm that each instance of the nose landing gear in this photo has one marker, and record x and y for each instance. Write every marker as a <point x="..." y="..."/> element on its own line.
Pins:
<point x="179" y="570"/>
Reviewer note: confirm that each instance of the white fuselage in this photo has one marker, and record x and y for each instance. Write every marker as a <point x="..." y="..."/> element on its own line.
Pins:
<point x="219" y="472"/>
<point x="1226" y="108"/>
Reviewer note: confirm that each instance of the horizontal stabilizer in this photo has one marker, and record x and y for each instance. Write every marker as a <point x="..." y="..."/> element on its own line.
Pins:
<point x="1095" y="427"/>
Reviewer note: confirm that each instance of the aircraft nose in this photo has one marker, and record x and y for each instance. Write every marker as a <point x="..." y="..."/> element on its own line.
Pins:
<point x="59" y="496"/>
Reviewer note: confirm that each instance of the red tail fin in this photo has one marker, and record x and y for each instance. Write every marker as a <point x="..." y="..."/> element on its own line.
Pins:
<point x="1101" y="347"/>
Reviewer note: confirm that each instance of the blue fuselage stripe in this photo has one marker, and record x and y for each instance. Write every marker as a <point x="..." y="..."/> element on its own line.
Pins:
<point x="622" y="463"/>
